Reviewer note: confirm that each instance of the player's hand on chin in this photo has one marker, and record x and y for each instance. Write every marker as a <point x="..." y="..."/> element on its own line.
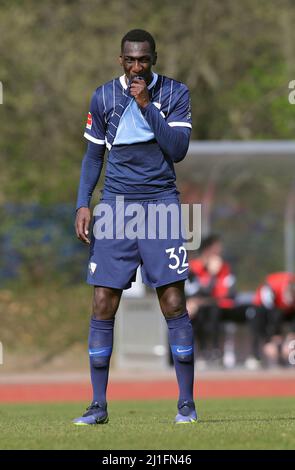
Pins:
<point x="139" y="90"/>
<point x="82" y="223"/>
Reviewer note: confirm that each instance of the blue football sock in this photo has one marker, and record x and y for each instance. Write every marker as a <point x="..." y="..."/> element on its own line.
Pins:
<point x="100" y="350"/>
<point x="181" y="342"/>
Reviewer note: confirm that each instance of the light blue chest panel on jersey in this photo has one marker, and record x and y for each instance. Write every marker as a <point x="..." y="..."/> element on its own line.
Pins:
<point x="127" y="124"/>
<point x="133" y="127"/>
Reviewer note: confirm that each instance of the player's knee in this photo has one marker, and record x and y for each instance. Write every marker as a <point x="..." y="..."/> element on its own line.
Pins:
<point x="173" y="307"/>
<point x="103" y="306"/>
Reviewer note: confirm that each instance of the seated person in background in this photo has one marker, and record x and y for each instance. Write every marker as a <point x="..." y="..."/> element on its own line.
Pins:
<point x="273" y="302"/>
<point x="209" y="288"/>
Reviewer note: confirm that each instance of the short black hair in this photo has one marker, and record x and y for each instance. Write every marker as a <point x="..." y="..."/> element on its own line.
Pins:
<point x="139" y="35"/>
<point x="209" y="241"/>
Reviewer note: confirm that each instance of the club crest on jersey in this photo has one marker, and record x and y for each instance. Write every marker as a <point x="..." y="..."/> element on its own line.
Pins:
<point x="89" y="121"/>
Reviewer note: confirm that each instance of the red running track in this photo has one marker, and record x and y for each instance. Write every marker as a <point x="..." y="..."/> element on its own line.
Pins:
<point x="67" y="392"/>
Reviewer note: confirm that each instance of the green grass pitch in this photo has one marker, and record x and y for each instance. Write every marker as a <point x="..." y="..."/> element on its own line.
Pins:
<point x="223" y="424"/>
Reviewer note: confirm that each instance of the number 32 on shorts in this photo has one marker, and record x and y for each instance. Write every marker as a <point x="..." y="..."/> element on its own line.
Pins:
<point x="179" y="261"/>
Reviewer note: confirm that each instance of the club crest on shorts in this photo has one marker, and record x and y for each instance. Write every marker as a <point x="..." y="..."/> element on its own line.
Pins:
<point x="89" y="121"/>
<point x="92" y="267"/>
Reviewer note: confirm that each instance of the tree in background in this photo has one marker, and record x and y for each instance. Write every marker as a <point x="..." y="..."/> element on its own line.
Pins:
<point x="236" y="57"/>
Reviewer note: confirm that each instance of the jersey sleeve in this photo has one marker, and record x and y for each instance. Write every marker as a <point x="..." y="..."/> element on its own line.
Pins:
<point x="95" y="129"/>
<point x="180" y="114"/>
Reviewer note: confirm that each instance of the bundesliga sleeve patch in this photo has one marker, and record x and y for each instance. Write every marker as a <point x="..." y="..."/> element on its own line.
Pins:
<point x="89" y="121"/>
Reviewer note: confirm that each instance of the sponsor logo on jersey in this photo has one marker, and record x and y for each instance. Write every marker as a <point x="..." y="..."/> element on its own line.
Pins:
<point x="89" y="121"/>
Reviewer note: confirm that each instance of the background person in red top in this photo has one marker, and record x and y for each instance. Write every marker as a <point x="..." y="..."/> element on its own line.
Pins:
<point x="273" y="303"/>
<point x="209" y="288"/>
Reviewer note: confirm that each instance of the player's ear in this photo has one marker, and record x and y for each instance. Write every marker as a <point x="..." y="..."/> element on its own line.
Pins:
<point x="120" y="60"/>
<point x="155" y="58"/>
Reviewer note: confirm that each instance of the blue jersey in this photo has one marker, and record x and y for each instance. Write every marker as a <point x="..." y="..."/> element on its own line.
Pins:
<point x="139" y="165"/>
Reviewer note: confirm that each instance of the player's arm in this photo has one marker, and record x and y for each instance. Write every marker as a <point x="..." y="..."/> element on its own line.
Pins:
<point x="91" y="165"/>
<point x="173" y="141"/>
<point x="90" y="172"/>
<point x="172" y="136"/>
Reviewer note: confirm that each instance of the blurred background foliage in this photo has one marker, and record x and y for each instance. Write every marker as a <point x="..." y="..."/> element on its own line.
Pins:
<point x="237" y="57"/>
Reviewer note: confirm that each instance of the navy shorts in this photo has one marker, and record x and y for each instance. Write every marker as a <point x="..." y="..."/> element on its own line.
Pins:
<point x="128" y="234"/>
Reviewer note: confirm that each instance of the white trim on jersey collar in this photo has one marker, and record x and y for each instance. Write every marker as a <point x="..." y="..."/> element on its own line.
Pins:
<point x="153" y="82"/>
